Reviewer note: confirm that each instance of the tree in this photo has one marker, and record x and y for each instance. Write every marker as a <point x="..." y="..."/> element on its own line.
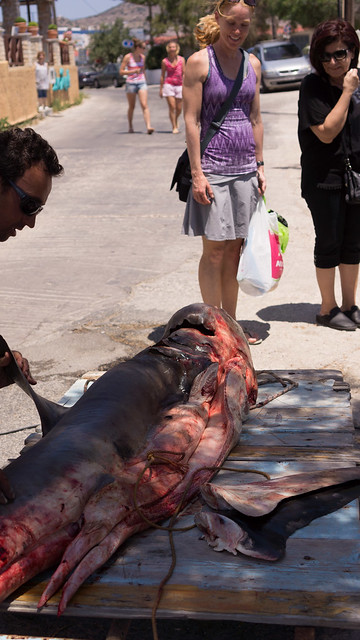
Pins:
<point x="303" y="12"/>
<point x="179" y="15"/>
<point x="149" y="4"/>
<point x="106" y="45"/>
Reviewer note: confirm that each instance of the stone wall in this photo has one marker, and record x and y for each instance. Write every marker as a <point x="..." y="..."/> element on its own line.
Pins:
<point x="18" y="96"/>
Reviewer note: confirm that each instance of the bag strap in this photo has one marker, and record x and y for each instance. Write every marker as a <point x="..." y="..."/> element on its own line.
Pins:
<point x="221" y="113"/>
<point x="345" y="132"/>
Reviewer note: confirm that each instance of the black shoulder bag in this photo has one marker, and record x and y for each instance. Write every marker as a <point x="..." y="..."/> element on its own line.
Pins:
<point x="182" y="173"/>
<point x="351" y="177"/>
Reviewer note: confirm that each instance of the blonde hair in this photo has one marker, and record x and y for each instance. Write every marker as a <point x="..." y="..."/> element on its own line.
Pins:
<point x="173" y="42"/>
<point x="207" y="30"/>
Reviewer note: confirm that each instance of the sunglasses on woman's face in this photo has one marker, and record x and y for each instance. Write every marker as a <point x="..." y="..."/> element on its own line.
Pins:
<point x="29" y="205"/>
<point x="338" y="55"/>
<point x="250" y="3"/>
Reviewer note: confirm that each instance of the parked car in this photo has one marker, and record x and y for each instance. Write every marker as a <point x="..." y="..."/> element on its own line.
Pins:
<point x="86" y="74"/>
<point x="282" y="64"/>
<point x="109" y="75"/>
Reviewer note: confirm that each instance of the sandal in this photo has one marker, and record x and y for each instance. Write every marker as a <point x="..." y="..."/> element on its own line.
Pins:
<point x="251" y="338"/>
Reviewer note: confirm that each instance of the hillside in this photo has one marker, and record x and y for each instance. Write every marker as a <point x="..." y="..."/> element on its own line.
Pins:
<point x="133" y="16"/>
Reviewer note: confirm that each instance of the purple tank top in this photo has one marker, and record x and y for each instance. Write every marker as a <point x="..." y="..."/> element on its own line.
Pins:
<point x="232" y="149"/>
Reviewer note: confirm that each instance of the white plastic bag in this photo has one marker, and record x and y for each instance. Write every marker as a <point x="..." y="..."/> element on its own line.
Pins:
<point x="261" y="262"/>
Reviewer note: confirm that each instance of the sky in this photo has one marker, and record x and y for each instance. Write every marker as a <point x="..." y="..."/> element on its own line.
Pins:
<point x="82" y="8"/>
<point x="73" y="9"/>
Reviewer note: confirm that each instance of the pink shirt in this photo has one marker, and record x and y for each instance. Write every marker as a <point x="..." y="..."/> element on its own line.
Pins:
<point x="132" y="64"/>
<point x="174" y="74"/>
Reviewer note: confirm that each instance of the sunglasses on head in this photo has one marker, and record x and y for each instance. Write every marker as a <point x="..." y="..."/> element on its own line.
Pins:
<point x="29" y="205"/>
<point x="338" y="55"/>
<point x="250" y="3"/>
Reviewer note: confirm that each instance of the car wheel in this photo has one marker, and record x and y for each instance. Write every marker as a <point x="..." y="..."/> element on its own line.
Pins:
<point x="263" y="87"/>
<point x="96" y="84"/>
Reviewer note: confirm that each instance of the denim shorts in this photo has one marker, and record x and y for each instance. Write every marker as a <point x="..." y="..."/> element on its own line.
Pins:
<point x="42" y="93"/>
<point x="135" y="87"/>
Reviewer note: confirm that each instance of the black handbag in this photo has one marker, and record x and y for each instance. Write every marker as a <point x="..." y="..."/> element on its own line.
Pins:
<point x="352" y="183"/>
<point x="182" y="173"/>
<point x="351" y="177"/>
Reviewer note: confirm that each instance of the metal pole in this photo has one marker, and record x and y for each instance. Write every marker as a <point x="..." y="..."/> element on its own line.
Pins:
<point x="54" y="11"/>
<point x="349" y="11"/>
<point x="340" y="8"/>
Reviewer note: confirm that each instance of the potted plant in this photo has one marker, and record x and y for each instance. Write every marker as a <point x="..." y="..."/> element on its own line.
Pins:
<point x="20" y="24"/>
<point x="52" y="31"/>
<point x="33" y="28"/>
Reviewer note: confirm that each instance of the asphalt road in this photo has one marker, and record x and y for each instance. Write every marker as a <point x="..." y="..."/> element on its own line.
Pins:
<point x="106" y="266"/>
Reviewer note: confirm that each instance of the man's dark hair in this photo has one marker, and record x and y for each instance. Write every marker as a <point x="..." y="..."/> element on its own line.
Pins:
<point x="21" y="149"/>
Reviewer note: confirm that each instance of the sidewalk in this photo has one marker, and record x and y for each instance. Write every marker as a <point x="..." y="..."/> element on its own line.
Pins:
<point x="106" y="267"/>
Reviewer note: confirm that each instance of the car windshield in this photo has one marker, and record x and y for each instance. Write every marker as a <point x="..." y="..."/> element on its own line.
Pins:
<point x="281" y="52"/>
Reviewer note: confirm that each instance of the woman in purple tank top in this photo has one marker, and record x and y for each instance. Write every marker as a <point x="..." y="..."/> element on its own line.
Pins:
<point x="227" y="179"/>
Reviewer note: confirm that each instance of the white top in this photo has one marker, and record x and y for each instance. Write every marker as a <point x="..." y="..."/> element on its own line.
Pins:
<point x="42" y="76"/>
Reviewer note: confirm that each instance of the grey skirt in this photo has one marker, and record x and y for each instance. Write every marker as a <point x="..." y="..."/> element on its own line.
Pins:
<point x="228" y="216"/>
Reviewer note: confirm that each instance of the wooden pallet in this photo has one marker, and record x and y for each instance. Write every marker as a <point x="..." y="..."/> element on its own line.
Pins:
<point x="317" y="583"/>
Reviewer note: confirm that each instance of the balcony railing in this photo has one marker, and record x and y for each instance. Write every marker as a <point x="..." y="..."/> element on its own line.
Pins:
<point x="13" y="51"/>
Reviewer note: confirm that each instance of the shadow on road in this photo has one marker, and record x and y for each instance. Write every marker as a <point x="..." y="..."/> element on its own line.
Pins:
<point x="291" y="312"/>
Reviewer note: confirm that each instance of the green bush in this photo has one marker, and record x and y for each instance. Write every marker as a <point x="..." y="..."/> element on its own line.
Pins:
<point x="32" y="24"/>
<point x="4" y="124"/>
<point x="52" y="26"/>
<point x="156" y="54"/>
<point x="19" y="19"/>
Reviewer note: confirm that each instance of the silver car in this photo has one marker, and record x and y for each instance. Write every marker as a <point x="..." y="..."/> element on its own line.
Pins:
<point x="282" y="64"/>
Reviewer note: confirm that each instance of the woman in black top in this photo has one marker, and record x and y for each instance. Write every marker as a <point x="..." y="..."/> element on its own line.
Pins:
<point x="329" y="123"/>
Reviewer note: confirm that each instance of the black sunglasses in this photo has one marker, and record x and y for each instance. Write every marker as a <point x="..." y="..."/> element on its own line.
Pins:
<point x="338" y="55"/>
<point x="250" y="3"/>
<point x="29" y="205"/>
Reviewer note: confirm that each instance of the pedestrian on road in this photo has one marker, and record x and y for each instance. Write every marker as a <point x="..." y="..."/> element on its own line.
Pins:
<point x="27" y="165"/>
<point x="329" y="123"/>
<point x="133" y="67"/>
<point x="42" y="82"/>
<point x="172" y="74"/>
<point x="227" y="179"/>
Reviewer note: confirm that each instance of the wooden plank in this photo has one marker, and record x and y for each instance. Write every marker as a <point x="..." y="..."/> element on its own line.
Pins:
<point x="315" y="375"/>
<point x="310" y="394"/>
<point x="306" y="439"/>
<point x="346" y="455"/>
<point x="337" y="419"/>
<point x="318" y="580"/>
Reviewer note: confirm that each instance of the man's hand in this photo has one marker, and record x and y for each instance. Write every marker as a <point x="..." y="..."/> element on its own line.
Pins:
<point x="22" y="363"/>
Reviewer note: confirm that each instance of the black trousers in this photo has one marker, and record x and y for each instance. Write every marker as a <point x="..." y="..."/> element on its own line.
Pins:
<point x="337" y="227"/>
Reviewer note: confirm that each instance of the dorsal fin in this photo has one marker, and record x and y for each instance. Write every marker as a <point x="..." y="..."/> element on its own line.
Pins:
<point x="50" y="412"/>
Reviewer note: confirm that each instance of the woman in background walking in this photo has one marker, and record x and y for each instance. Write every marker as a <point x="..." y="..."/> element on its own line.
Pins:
<point x="172" y="73"/>
<point x="133" y="67"/>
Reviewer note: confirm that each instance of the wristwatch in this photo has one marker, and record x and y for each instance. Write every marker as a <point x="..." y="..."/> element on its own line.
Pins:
<point x="260" y="163"/>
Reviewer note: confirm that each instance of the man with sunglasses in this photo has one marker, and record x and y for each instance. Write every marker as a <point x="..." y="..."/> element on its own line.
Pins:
<point x="27" y="165"/>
